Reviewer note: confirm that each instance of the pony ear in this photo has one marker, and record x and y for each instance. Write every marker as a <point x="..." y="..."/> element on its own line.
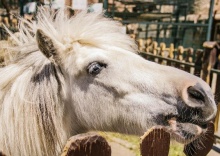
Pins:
<point x="46" y="45"/>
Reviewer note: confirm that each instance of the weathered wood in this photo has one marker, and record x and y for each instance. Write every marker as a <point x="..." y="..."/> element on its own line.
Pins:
<point x="217" y="91"/>
<point x="171" y="51"/>
<point x="8" y="10"/>
<point x="189" y="58"/>
<point x="162" y="52"/>
<point x="148" y="45"/>
<point x="217" y="94"/>
<point x="209" y="60"/>
<point x="155" y="142"/>
<point x="1" y="154"/>
<point x="151" y="47"/>
<point x="141" y="44"/>
<point x="198" y="62"/>
<point x="202" y="145"/>
<point x="180" y="52"/>
<point x="171" y="55"/>
<point x="88" y="144"/>
<point x="155" y="47"/>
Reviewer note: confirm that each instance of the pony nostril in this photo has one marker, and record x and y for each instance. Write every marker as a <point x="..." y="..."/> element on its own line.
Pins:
<point x="196" y="93"/>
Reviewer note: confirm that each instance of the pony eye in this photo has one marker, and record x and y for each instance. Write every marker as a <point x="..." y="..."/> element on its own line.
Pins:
<point x="95" y="68"/>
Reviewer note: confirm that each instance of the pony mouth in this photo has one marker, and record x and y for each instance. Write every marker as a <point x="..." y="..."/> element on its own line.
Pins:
<point x="183" y="131"/>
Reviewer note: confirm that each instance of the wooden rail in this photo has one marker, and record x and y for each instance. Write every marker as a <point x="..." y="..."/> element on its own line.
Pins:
<point x="203" y="63"/>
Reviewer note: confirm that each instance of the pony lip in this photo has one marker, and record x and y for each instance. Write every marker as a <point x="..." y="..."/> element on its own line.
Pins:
<point x="184" y="132"/>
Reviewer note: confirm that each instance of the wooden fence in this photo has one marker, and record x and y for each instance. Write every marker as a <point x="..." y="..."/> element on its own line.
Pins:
<point x="155" y="142"/>
<point x="10" y="24"/>
<point x="204" y="63"/>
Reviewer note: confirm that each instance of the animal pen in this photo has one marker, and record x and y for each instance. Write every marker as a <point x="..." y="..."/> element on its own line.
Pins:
<point x="181" y="22"/>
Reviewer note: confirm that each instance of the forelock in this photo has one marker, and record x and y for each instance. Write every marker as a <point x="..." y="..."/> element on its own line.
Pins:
<point x="86" y="28"/>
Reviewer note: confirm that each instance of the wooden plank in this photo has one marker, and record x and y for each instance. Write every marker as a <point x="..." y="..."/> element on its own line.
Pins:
<point x="217" y="91"/>
<point x="198" y="63"/>
<point x="180" y="52"/>
<point x="209" y="59"/>
<point x="189" y="58"/>
<point x="88" y="144"/>
<point x="155" y="142"/>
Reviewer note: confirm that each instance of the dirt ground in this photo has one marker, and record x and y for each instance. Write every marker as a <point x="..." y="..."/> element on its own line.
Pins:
<point x="213" y="153"/>
<point x="119" y="150"/>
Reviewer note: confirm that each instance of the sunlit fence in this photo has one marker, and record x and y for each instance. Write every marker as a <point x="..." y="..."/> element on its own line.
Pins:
<point x="204" y="63"/>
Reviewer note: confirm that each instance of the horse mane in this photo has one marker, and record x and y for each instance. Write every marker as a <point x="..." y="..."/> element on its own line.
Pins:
<point x="31" y="86"/>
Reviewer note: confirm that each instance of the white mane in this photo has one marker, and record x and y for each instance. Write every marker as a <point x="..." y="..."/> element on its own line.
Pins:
<point x="85" y="28"/>
<point x="31" y="87"/>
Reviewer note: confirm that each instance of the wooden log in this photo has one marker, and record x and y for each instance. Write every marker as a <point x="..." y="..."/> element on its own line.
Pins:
<point x="155" y="142"/>
<point x="202" y="145"/>
<point x="88" y="144"/>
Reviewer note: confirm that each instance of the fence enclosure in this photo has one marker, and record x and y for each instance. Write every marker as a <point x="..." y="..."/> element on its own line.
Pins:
<point x="202" y="63"/>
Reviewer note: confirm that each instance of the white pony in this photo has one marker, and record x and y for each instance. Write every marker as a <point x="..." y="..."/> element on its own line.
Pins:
<point x="72" y="75"/>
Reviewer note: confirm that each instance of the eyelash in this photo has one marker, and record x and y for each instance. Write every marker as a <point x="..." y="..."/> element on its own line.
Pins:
<point x="95" y="68"/>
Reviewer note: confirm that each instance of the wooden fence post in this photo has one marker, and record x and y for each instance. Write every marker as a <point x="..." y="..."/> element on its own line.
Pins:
<point x="155" y="142"/>
<point x="171" y="51"/>
<point x="198" y="62"/>
<point x="88" y="144"/>
<point x="180" y="51"/>
<point x="188" y="59"/>
<point x="171" y="54"/>
<point x="155" y="48"/>
<point x="217" y="90"/>
<point x="141" y="45"/>
<point x="209" y="60"/>
<point x="162" y="52"/>
<point x="148" y="46"/>
<point x="217" y="93"/>
<point x="151" y="48"/>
